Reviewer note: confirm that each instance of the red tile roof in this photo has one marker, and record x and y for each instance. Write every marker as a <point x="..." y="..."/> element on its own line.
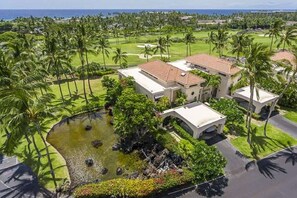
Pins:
<point x="212" y="62"/>
<point x="280" y="56"/>
<point x="169" y="73"/>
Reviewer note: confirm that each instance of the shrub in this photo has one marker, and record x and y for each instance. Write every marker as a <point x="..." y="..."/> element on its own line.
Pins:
<point x="184" y="134"/>
<point x="134" y="187"/>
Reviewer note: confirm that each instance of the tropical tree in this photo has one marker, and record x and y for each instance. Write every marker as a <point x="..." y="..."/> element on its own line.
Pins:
<point x="147" y="51"/>
<point x="161" y="47"/>
<point x="120" y="57"/>
<point x="189" y="39"/>
<point x="239" y="42"/>
<point x="168" y="44"/>
<point x="210" y="40"/>
<point x="255" y="67"/>
<point x="163" y="104"/>
<point x="220" y="40"/>
<point x="137" y="110"/>
<point x="274" y="31"/>
<point x="202" y="155"/>
<point x="80" y="48"/>
<point x="287" y="37"/>
<point x="289" y="76"/>
<point x="103" y="48"/>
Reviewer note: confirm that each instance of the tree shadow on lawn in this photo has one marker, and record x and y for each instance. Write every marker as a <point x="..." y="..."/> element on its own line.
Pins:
<point x="38" y="167"/>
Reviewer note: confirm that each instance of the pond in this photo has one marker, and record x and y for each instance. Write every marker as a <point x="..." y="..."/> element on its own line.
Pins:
<point x="74" y="143"/>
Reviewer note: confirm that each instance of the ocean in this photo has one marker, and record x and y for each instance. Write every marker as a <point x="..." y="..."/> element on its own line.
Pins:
<point x="12" y="14"/>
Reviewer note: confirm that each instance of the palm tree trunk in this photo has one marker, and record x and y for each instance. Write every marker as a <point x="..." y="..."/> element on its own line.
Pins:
<point x="60" y="88"/>
<point x="284" y="46"/>
<point x="68" y="86"/>
<point x="271" y="43"/>
<point x="84" y="83"/>
<point x="47" y="154"/>
<point x="74" y="81"/>
<point x="104" y="59"/>
<point x="250" y="110"/>
<point x="35" y="146"/>
<point x="273" y="106"/>
<point x="187" y="51"/>
<point x="190" y="49"/>
<point x="88" y="75"/>
<point x="168" y="53"/>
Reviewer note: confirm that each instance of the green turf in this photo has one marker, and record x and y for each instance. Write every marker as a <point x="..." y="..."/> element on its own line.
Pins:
<point x="262" y="146"/>
<point x="41" y="168"/>
<point x="291" y="115"/>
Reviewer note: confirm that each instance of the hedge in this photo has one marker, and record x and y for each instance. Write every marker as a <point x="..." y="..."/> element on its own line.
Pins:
<point x="97" y="73"/>
<point x="184" y="134"/>
<point x="134" y="187"/>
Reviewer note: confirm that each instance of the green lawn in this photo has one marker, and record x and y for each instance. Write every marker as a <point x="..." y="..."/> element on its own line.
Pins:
<point x="177" y="50"/>
<point x="41" y="168"/>
<point x="291" y="115"/>
<point x="262" y="146"/>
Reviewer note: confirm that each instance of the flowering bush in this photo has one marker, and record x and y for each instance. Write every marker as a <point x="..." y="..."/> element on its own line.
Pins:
<point x="134" y="187"/>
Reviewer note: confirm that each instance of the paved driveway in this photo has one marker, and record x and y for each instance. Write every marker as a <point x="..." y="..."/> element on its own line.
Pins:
<point x="284" y="124"/>
<point x="236" y="162"/>
<point x="17" y="180"/>
<point x="272" y="177"/>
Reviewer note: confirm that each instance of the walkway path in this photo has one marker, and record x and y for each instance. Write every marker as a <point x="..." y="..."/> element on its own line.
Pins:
<point x="17" y="180"/>
<point x="284" y="124"/>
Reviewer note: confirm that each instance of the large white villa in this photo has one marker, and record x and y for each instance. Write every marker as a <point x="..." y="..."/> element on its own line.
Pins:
<point x="157" y="79"/>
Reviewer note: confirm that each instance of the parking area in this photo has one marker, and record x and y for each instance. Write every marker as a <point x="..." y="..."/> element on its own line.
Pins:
<point x="17" y="180"/>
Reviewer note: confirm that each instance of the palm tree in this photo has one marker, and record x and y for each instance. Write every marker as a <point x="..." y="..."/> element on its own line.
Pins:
<point x="120" y="57"/>
<point x="239" y="42"/>
<point x="53" y="56"/>
<point x="287" y="37"/>
<point x="274" y="31"/>
<point x="160" y="47"/>
<point x="220" y="40"/>
<point x="290" y="75"/>
<point x="79" y="44"/>
<point x="168" y="44"/>
<point x="210" y="40"/>
<point x="103" y="46"/>
<point x="147" y="52"/>
<point x="189" y="38"/>
<point x="255" y="67"/>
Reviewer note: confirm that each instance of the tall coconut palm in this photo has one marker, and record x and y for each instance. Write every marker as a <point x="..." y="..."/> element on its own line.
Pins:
<point x="287" y="37"/>
<point x="147" y="51"/>
<point x="255" y="67"/>
<point x="274" y="31"/>
<point x="290" y="75"/>
<point x="210" y="40"/>
<point x="120" y="57"/>
<point x="220" y="40"/>
<point x="102" y="47"/>
<point x="79" y="45"/>
<point x="52" y="57"/>
<point x="168" y="44"/>
<point x="189" y="39"/>
<point x="239" y="42"/>
<point x="160" y="47"/>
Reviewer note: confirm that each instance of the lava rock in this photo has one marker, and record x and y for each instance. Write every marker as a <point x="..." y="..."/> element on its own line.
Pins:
<point x="89" y="162"/>
<point x="134" y="175"/>
<point x="97" y="180"/>
<point x="96" y="143"/>
<point x="104" y="171"/>
<point x="119" y="171"/>
<point x="116" y="147"/>
<point x="88" y="127"/>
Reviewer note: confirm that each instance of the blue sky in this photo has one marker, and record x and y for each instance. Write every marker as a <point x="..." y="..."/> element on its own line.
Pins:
<point x="148" y="4"/>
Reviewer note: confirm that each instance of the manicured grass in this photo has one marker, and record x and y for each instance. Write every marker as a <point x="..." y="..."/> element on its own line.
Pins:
<point x="262" y="146"/>
<point x="30" y="158"/>
<point x="177" y="50"/>
<point x="291" y="115"/>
